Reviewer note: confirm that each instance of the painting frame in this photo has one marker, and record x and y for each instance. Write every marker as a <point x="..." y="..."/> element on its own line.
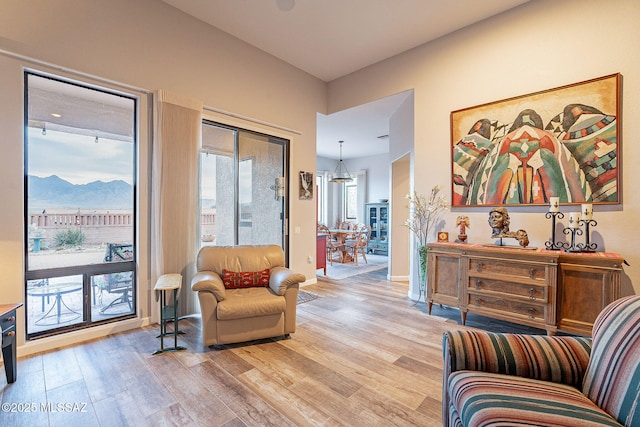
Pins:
<point x="520" y="151"/>
<point x="306" y="185"/>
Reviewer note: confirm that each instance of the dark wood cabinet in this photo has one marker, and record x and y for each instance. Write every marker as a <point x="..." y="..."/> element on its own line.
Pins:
<point x="551" y="290"/>
<point x="8" y="329"/>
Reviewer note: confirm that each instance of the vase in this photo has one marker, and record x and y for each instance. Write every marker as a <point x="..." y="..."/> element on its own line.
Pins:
<point x="422" y="286"/>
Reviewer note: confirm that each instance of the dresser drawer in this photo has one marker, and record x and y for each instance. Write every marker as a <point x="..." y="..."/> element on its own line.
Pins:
<point x="538" y="292"/>
<point x="8" y="325"/>
<point x="510" y="308"/>
<point x="508" y="269"/>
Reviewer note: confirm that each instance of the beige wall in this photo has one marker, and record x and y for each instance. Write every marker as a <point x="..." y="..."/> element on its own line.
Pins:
<point x="148" y="45"/>
<point x="540" y="45"/>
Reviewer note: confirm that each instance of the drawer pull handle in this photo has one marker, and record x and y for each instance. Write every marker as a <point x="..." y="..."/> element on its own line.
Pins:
<point x="12" y="319"/>
<point x="480" y="267"/>
<point x="480" y="301"/>
<point x="532" y="273"/>
<point x="532" y="293"/>
<point x="11" y="333"/>
<point x="478" y="284"/>
<point x="532" y="312"/>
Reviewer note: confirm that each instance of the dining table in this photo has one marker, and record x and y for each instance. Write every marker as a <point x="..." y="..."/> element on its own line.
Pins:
<point x="342" y="235"/>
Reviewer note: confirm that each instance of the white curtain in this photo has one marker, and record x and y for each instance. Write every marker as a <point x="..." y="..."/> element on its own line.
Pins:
<point x="362" y="195"/>
<point x="174" y="192"/>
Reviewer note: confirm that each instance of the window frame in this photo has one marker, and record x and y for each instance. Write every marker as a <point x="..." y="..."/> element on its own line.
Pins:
<point x="87" y="271"/>
<point x="284" y="143"/>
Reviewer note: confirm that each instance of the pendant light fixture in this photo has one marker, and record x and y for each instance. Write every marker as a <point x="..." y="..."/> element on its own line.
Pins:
<point x="340" y="175"/>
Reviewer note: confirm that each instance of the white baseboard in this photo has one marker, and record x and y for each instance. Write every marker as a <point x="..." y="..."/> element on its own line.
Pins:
<point x="75" y="337"/>
<point x="309" y="282"/>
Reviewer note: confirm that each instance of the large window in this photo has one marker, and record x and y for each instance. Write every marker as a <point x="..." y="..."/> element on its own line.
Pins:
<point x="80" y="164"/>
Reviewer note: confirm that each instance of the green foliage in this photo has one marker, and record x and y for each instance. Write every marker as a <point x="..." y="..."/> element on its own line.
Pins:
<point x="69" y="237"/>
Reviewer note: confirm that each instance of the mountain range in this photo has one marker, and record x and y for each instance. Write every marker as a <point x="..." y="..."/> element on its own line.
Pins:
<point x="54" y="192"/>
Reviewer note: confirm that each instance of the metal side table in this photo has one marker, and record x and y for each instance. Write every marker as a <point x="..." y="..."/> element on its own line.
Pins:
<point x="168" y="312"/>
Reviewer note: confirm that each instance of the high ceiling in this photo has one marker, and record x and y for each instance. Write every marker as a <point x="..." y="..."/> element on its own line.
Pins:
<point x="332" y="38"/>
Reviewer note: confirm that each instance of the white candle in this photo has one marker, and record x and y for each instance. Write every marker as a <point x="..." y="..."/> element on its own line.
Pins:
<point x="587" y="211"/>
<point x="574" y="217"/>
<point x="554" y="204"/>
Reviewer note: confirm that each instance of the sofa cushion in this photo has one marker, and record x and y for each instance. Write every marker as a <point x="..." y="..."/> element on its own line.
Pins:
<point x="250" y="302"/>
<point x="245" y="279"/>
<point x="483" y="399"/>
<point x="613" y="374"/>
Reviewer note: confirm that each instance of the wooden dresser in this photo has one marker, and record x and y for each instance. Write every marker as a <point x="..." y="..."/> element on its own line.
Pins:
<point x="551" y="290"/>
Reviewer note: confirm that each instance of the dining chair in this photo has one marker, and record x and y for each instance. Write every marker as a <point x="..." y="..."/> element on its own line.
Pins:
<point x="360" y="243"/>
<point x="354" y="227"/>
<point x="333" y="244"/>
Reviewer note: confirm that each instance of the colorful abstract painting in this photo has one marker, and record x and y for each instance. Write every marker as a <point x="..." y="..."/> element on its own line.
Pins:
<point x="561" y="142"/>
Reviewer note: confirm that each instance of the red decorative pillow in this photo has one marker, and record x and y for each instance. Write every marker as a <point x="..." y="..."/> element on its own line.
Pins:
<point x="249" y="279"/>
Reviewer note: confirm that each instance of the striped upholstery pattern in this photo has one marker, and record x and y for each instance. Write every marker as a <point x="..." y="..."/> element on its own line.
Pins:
<point x="612" y="380"/>
<point x="558" y="359"/>
<point x="509" y="379"/>
<point x="483" y="399"/>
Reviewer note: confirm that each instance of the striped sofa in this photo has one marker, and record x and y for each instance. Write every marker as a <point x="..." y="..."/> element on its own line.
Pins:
<point x="525" y="380"/>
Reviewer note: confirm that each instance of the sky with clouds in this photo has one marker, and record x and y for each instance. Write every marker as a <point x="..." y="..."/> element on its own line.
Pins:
<point x="79" y="159"/>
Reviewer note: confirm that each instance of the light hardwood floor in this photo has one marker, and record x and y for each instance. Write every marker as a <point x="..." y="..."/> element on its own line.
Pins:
<point x="363" y="355"/>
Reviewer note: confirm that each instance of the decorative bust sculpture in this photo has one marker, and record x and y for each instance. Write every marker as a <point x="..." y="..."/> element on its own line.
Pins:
<point x="499" y="221"/>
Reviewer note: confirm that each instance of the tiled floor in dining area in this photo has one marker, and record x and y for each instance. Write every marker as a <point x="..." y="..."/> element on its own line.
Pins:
<point x="340" y="271"/>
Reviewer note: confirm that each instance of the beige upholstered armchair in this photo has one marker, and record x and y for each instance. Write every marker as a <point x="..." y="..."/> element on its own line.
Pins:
<point x="245" y="293"/>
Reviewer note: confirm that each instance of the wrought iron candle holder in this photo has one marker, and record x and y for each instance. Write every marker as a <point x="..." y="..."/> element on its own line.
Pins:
<point x="587" y="246"/>
<point x="576" y="221"/>
<point x="552" y="245"/>
<point x="572" y="247"/>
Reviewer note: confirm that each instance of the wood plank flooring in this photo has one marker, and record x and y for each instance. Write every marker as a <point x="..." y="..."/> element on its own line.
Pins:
<point x="363" y="355"/>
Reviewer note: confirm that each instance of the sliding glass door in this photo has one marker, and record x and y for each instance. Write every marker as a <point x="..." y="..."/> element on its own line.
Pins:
<point x="242" y="187"/>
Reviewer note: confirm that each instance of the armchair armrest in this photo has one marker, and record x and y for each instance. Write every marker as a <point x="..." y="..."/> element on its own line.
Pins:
<point x="282" y="278"/>
<point x="208" y="281"/>
<point x="547" y="358"/>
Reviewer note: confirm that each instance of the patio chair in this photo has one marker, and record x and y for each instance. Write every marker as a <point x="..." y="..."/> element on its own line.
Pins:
<point x="120" y="284"/>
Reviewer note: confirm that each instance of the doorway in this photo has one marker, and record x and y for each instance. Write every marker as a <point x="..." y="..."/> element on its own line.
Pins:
<point x="379" y="139"/>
